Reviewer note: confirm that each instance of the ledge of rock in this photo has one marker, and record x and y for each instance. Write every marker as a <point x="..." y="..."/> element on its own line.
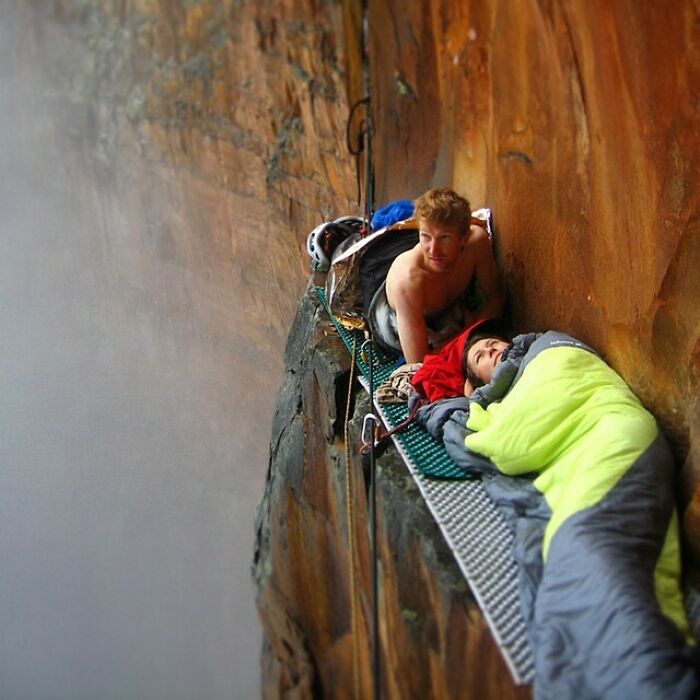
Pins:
<point x="431" y="629"/>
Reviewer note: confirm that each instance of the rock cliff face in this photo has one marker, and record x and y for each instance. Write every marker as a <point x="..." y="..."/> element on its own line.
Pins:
<point x="435" y="642"/>
<point x="577" y="124"/>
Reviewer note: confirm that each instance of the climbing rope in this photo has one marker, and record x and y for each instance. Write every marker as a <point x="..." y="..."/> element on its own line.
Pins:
<point x="373" y="524"/>
<point x="368" y="211"/>
<point x="349" y="511"/>
<point x="369" y="128"/>
<point x="357" y="148"/>
<point x="363" y="138"/>
<point x="365" y="196"/>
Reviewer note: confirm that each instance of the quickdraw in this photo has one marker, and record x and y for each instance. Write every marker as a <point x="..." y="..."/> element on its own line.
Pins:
<point x="380" y="437"/>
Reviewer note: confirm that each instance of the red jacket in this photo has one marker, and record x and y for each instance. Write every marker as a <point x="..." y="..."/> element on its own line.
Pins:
<point x="441" y="375"/>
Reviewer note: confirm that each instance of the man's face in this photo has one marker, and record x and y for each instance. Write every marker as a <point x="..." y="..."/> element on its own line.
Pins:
<point x="483" y="357"/>
<point x="441" y="245"/>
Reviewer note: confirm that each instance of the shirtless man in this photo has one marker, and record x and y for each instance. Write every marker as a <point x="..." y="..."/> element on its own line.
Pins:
<point x="434" y="275"/>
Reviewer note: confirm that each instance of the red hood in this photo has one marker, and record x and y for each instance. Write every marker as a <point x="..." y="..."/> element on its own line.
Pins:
<point x="441" y="375"/>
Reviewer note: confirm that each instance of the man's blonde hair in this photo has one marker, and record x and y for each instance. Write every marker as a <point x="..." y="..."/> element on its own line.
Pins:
<point x="443" y="206"/>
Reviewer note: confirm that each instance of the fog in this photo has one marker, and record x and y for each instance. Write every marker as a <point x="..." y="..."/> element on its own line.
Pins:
<point x="135" y="411"/>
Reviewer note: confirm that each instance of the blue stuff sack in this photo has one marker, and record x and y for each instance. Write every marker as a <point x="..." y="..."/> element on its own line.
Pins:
<point x="391" y="213"/>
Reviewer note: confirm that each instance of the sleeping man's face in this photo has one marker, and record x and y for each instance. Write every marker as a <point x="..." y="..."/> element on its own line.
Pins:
<point x="483" y="357"/>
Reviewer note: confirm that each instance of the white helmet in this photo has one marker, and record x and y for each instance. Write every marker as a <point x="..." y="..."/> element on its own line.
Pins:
<point x="324" y="239"/>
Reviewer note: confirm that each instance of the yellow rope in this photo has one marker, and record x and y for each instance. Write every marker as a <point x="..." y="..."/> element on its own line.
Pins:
<point x="351" y="534"/>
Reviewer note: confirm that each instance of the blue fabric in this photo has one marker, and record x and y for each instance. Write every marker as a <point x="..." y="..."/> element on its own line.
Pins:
<point x="391" y="213"/>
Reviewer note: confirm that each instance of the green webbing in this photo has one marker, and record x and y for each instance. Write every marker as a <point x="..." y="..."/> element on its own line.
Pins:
<point x="427" y="454"/>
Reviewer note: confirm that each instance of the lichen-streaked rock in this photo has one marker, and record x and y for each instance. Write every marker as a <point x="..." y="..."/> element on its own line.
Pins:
<point x="434" y="640"/>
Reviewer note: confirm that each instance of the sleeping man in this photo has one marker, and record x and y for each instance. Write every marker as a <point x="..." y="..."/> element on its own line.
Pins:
<point x="585" y="479"/>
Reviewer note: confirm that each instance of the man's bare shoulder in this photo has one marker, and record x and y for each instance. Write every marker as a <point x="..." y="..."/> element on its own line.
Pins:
<point x="406" y="276"/>
<point x="477" y="237"/>
<point x="407" y="267"/>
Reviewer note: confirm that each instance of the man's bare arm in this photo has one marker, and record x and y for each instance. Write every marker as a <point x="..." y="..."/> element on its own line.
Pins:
<point x="410" y="321"/>
<point x="487" y="274"/>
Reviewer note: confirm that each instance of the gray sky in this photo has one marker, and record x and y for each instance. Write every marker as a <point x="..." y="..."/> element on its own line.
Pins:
<point x="135" y="410"/>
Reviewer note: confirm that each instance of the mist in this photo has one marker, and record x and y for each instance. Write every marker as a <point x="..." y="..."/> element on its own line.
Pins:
<point x="135" y="404"/>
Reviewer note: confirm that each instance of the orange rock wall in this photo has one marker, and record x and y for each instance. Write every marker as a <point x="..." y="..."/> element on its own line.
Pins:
<point x="577" y="123"/>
